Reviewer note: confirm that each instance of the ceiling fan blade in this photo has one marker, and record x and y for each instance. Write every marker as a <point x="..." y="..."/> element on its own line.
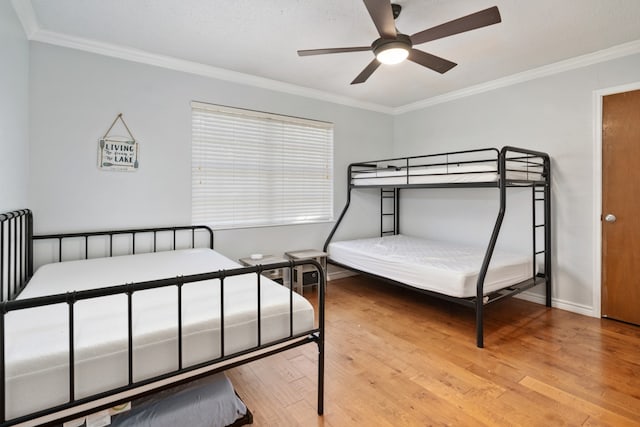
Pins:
<point x="382" y="15"/>
<point x="428" y="60"/>
<point x="366" y="73"/>
<point x="309" y="52"/>
<point x="466" y="23"/>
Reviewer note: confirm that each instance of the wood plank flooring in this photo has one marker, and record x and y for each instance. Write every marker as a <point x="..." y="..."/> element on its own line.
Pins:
<point x="398" y="358"/>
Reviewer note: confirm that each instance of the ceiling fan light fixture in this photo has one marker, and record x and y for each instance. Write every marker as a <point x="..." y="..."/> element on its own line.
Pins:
<point x="392" y="53"/>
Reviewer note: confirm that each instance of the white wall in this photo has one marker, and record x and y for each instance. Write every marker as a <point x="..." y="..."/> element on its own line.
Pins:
<point x="74" y="96"/>
<point x="552" y="114"/>
<point x="14" y="122"/>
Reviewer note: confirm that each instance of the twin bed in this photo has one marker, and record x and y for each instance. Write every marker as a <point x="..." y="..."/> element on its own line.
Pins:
<point x="467" y="275"/>
<point x="85" y="335"/>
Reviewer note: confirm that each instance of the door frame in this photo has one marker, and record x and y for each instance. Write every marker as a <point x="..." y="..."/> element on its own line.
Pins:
<point x="598" y="95"/>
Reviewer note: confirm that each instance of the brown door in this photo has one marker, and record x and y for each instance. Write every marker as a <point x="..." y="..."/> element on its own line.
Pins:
<point x="621" y="206"/>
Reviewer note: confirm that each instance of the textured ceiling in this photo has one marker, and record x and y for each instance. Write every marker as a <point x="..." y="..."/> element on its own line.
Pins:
<point x="260" y="38"/>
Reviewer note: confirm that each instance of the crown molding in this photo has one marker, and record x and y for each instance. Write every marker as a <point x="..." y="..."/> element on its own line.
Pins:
<point x="614" y="52"/>
<point x="27" y="17"/>
<point x="140" y="56"/>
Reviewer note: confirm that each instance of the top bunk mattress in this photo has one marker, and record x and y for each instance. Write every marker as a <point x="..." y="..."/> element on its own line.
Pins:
<point x="37" y="342"/>
<point x="443" y="174"/>
<point x="431" y="265"/>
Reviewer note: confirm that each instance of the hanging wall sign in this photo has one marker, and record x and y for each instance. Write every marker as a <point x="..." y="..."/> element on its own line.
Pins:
<point x="118" y="153"/>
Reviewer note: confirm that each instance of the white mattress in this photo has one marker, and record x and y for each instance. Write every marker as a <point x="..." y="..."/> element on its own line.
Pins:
<point x="436" y="266"/>
<point x="37" y="339"/>
<point x="451" y="174"/>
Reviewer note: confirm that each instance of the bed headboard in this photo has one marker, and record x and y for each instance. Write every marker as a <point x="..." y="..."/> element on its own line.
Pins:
<point x="49" y="248"/>
<point x="21" y="252"/>
<point x="16" y="252"/>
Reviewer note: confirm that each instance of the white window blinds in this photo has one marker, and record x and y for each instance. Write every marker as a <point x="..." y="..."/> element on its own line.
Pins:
<point x="254" y="169"/>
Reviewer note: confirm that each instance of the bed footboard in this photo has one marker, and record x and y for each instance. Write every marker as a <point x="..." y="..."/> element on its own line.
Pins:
<point x="184" y="373"/>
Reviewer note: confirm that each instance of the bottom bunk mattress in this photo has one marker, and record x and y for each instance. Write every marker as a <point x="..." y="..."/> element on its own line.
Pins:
<point x="37" y="339"/>
<point x="436" y="266"/>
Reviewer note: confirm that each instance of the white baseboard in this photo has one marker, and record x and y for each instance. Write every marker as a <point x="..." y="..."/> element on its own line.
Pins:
<point x="585" y="310"/>
<point x="340" y="274"/>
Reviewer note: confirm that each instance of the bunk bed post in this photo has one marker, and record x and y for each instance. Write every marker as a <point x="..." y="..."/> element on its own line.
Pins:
<point x="396" y="210"/>
<point x="492" y="244"/>
<point x="344" y="210"/>
<point x="547" y="230"/>
<point x="382" y="211"/>
<point x="335" y="227"/>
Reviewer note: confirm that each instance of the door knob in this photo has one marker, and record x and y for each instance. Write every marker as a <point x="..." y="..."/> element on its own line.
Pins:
<point x="610" y="218"/>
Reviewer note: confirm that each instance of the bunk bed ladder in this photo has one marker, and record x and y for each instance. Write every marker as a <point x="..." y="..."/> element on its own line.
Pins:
<point x="540" y="194"/>
<point x="389" y="217"/>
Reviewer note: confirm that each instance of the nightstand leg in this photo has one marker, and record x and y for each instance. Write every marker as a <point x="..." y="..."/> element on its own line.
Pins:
<point x="298" y="280"/>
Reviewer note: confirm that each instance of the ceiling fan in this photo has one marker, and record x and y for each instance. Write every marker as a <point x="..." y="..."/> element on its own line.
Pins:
<point x="394" y="47"/>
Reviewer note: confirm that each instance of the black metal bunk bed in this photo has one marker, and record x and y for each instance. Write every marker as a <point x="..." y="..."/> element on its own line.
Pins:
<point x="480" y="168"/>
<point x="17" y="268"/>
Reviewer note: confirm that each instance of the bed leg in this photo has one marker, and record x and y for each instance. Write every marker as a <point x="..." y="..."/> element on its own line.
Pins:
<point x="548" y="293"/>
<point x="321" y="376"/>
<point x="322" y="282"/>
<point x="480" y="325"/>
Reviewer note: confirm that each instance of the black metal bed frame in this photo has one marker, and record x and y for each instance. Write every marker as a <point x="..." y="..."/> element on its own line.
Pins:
<point x="16" y="268"/>
<point x="537" y="168"/>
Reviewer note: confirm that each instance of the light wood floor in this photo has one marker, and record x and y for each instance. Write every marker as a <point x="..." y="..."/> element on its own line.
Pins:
<point x="398" y="358"/>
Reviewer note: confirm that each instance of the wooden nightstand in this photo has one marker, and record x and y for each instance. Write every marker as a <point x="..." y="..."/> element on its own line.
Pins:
<point x="306" y="275"/>
<point x="280" y="275"/>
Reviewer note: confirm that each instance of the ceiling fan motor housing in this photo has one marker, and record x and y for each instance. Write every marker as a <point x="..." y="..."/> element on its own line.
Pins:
<point x="401" y="41"/>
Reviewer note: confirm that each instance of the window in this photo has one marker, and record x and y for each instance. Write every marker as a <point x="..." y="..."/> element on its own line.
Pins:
<point x="254" y="169"/>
